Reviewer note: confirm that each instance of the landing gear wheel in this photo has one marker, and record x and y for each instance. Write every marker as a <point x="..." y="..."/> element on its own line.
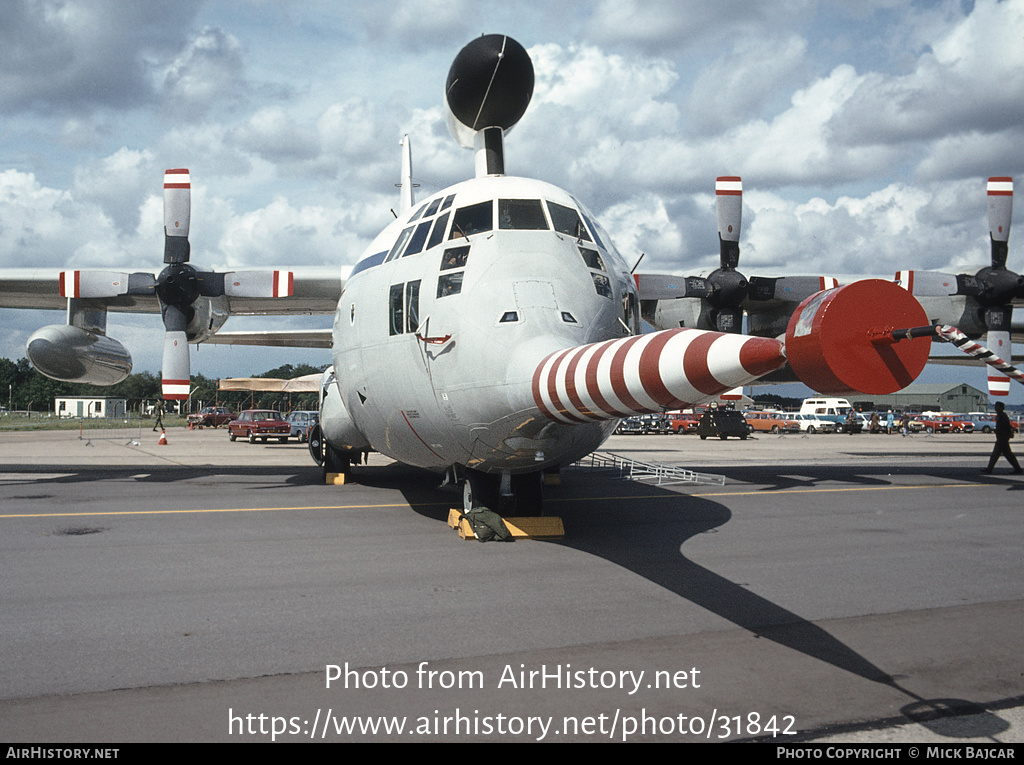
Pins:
<point x="480" y="490"/>
<point x="316" y="445"/>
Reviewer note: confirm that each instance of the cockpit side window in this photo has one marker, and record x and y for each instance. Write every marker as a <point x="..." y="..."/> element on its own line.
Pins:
<point x="473" y="219"/>
<point x="396" y="306"/>
<point x="592" y="258"/>
<point x="521" y="214"/>
<point x="567" y="221"/>
<point x="418" y="239"/>
<point x="454" y="257"/>
<point x="432" y="208"/>
<point x="449" y="284"/>
<point x="412" y="306"/>
<point x="438" y="233"/>
<point x="400" y="244"/>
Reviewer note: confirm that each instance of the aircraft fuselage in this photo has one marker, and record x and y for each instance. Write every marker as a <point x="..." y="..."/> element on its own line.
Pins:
<point x="446" y="317"/>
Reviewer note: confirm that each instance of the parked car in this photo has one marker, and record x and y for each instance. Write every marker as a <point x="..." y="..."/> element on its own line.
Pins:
<point x="657" y="423"/>
<point x="631" y="425"/>
<point x="723" y="423"/>
<point x="300" y="422"/>
<point x="775" y="422"/>
<point x="211" y="417"/>
<point x="811" y="423"/>
<point x="261" y="424"/>
<point x="947" y="423"/>
<point x="682" y="422"/>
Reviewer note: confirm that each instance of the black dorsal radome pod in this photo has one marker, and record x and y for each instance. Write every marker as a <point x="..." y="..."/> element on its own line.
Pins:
<point x="490" y="84"/>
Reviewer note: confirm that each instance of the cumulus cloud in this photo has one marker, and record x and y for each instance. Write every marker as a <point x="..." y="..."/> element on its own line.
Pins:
<point x="207" y="75"/>
<point x="58" y="56"/>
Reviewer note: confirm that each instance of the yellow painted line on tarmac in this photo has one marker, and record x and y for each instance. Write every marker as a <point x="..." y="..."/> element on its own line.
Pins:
<point x="218" y="510"/>
<point x="666" y="495"/>
<point x="767" y="492"/>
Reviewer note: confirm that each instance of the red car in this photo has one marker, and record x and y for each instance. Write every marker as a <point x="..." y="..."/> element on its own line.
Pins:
<point x="211" y="417"/>
<point x="945" y="423"/>
<point x="683" y="423"/>
<point x="261" y="424"/>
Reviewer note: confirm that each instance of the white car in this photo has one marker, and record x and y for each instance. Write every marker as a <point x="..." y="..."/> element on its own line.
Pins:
<point x="811" y="423"/>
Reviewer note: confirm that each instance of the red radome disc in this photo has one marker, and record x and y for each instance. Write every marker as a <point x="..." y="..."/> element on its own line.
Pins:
<point x="828" y="340"/>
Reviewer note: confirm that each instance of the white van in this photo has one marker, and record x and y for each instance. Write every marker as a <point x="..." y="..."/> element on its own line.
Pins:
<point x="834" y="409"/>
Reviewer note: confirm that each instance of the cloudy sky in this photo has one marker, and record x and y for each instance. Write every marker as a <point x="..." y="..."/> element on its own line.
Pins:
<point x="864" y="131"/>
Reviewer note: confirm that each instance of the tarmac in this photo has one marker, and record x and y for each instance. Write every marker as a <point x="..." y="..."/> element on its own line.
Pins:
<point x="834" y="589"/>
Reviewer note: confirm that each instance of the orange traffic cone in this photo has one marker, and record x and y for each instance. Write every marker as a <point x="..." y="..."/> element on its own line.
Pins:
<point x="163" y="438"/>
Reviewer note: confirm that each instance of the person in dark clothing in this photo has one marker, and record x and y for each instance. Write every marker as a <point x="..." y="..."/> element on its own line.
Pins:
<point x="1004" y="432"/>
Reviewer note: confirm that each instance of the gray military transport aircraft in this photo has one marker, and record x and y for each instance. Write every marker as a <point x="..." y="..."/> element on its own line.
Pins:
<point x="492" y="332"/>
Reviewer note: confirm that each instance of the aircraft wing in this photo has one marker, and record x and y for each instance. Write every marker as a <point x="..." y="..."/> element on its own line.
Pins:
<point x="303" y="338"/>
<point x="316" y="291"/>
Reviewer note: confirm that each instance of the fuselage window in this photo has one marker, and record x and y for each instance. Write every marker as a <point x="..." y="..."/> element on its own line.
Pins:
<point x="395" y="300"/>
<point x="399" y="245"/>
<point x="521" y="214"/>
<point x="592" y="258"/>
<point x="447" y="202"/>
<point x="454" y="257"/>
<point x="416" y="214"/>
<point x="438" y="233"/>
<point x="593" y="227"/>
<point x="449" y="284"/>
<point x="631" y="312"/>
<point x="473" y="219"/>
<point x="418" y="239"/>
<point x="509" y="316"/>
<point x="567" y="221"/>
<point x="432" y="207"/>
<point x="602" y="285"/>
<point x="412" y="306"/>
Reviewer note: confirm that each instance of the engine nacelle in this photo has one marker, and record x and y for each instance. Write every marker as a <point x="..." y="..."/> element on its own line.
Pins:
<point x="72" y="354"/>
<point x="207" y="316"/>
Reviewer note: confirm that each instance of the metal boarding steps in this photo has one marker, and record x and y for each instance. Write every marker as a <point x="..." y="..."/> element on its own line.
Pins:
<point x="658" y="473"/>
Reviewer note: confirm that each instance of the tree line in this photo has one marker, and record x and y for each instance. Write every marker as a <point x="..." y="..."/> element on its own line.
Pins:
<point x="22" y="388"/>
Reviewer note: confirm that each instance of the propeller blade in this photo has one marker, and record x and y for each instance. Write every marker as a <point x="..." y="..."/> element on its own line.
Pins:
<point x="791" y="289"/>
<point x="667" y="287"/>
<point x="729" y="319"/>
<point x="997" y="321"/>
<point x="175" y="376"/>
<point x="1000" y="213"/>
<point x="104" y="284"/>
<point x="177" y="211"/>
<point x="929" y="283"/>
<point x="729" y="210"/>
<point x="259" y="284"/>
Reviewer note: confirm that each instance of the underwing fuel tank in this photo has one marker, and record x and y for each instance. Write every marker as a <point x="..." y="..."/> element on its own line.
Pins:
<point x="72" y="354"/>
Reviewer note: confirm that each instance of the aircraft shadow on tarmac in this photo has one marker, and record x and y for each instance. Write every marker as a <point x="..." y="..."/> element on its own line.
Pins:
<point x="643" y="529"/>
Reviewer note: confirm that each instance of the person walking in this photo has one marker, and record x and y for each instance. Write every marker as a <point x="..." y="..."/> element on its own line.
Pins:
<point x="1004" y="432"/>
